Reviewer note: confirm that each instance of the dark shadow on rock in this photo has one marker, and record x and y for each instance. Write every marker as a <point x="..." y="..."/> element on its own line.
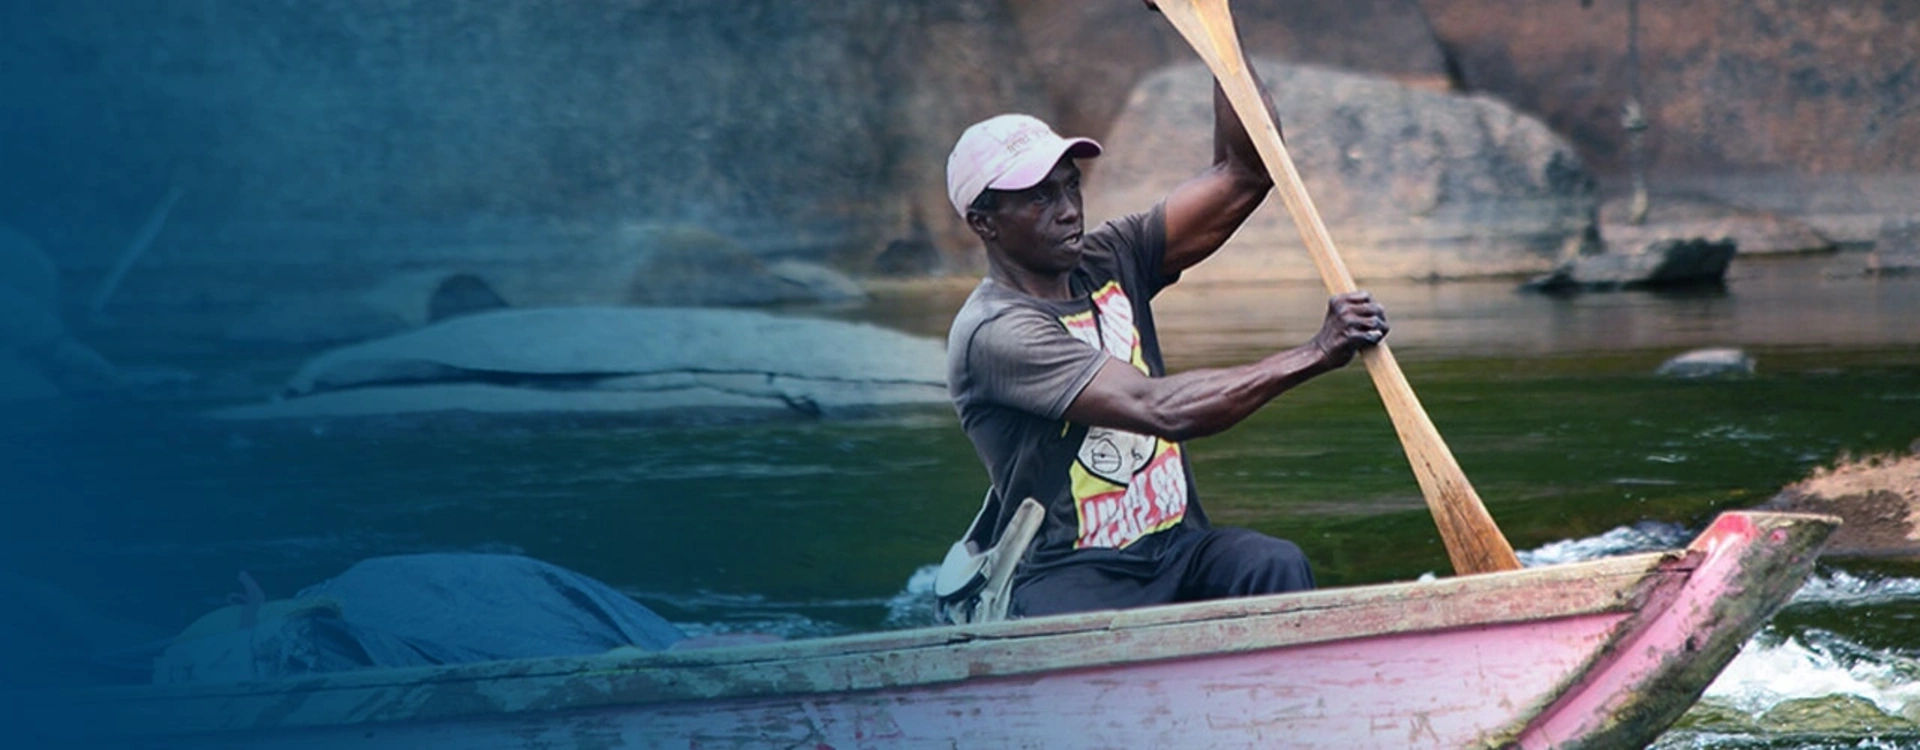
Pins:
<point x="461" y="294"/>
<point x="908" y="257"/>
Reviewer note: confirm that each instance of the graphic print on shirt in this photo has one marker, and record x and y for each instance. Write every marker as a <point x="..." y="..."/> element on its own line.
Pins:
<point x="1125" y="485"/>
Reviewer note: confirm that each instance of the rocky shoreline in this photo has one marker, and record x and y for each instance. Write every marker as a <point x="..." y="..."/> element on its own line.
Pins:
<point x="1877" y="499"/>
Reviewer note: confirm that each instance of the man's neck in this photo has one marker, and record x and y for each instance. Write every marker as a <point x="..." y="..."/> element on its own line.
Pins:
<point x="1048" y="287"/>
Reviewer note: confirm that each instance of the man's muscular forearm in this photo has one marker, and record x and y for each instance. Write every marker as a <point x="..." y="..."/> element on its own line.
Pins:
<point x="1195" y="403"/>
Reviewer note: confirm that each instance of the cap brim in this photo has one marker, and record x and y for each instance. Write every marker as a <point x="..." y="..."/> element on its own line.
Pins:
<point x="1034" y="168"/>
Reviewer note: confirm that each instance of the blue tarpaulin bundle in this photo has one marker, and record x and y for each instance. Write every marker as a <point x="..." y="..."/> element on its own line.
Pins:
<point x="416" y="610"/>
<point x="448" y="608"/>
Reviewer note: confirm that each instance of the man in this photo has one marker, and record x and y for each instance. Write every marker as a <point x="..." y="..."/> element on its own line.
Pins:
<point x="1055" y="368"/>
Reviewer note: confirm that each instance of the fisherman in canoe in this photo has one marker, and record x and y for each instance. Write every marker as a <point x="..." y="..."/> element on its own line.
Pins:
<point x="1055" y="369"/>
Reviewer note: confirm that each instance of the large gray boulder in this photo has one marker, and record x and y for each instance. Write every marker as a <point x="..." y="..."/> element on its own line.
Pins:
<point x="1412" y="183"/>
<point x="606" y="359"/>
<point x="1668" y="263"/>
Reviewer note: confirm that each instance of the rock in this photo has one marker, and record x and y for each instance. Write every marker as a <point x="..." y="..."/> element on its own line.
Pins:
<point x="817" y="281"/>
<point x="1096" y="52"/>
<point x="420" y="297"/>
<point x="1877" y="500"/>
<point x="1896" y="250"/>
<point x="617" y="360"/>
<point x="803" y="129"/>
<point x="1749" y="86"/>
<point x="909" y="256"/>
<point x="1850" y="715"/>
<point x="799" y="129"/>
<point x="684" y="265"/>
<point x="26" y="268"/>
<point x="1661" y="263"/>
<point x="1707" y="363"/>
<point x="390" y="305"/>
<point x="1681" y="217"/>
<point x="1412" y="183"/>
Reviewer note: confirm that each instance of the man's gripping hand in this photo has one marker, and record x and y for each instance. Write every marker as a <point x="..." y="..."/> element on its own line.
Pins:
<point x="1354" y="322"/>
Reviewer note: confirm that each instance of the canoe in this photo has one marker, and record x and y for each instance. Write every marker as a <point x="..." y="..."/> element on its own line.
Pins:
<point x="1605" y="653"/>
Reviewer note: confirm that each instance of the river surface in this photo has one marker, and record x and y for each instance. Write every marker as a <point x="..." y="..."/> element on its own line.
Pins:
<point x="145" y="514"/>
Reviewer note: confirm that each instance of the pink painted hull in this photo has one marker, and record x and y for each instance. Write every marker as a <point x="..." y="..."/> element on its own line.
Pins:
<point x="1595" y="654"/>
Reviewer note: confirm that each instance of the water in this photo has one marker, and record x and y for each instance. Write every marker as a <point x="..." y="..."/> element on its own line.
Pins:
<point x="127" y="521"/>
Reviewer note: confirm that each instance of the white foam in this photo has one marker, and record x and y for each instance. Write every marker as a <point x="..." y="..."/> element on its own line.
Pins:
<point x="1771" y="670"/>
<point x="1839" y="587"/>
<point x="1646" y="536"/>
<point x="913" y="606"/>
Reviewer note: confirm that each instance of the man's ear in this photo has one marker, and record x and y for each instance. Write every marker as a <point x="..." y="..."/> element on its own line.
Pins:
<point x="982" y="224"/>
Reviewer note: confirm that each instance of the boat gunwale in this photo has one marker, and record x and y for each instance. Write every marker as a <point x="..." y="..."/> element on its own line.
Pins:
<point x="1640" y="565"/>
<point x="902" y="659"/>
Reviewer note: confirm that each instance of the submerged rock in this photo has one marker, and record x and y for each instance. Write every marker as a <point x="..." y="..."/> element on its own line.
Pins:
<point x="1707" y="363"/>
<point x="1832" y="714"/>
<point x="620" y="360"/>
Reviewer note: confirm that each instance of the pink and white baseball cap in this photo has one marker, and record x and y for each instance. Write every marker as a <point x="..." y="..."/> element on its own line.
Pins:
<point x="1008" y="152"/>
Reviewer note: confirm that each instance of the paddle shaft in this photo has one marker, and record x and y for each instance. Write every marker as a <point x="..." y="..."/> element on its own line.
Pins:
<point x="1474" y="543"/>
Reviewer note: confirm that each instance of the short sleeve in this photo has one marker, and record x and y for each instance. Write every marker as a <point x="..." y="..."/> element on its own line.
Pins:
<point x="1139" y="243"/>
<point x="1023" y="359"/>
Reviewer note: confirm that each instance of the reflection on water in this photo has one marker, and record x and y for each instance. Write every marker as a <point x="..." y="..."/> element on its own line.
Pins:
<point x="1769" y="302"/>
<point x="139" y="518"/>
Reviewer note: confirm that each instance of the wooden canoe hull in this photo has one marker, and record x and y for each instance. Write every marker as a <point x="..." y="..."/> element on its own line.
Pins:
<point x="1599" y="654"/>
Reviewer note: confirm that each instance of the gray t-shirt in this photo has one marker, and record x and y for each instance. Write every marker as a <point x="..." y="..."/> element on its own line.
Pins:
<point x="1014" y="363"/>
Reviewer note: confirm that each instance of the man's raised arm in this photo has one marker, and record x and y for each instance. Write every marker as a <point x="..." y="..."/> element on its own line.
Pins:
<point x="1204" y="211"/>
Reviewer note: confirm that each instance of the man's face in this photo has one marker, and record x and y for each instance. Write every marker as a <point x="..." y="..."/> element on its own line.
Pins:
<point x="1039" y="228"/>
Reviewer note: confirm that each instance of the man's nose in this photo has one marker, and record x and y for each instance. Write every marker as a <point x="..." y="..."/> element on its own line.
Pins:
<point x="1069" y="211"/>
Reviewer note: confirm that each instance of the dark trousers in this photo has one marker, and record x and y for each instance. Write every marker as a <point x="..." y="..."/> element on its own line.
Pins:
<point x="1215" y="564"/>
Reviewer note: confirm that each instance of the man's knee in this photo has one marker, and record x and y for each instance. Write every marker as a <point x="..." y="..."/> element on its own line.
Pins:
<point x="1254" y="563"/>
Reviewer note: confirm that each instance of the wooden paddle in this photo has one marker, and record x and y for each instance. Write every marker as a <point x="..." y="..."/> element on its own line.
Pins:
<point x="1474" y="543"/>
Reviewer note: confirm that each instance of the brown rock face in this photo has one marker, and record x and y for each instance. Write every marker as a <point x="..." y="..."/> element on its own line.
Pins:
<point x="1728" y="84"/>
<point x="1090" y="54"/>
<point x="1411" y="182"/>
